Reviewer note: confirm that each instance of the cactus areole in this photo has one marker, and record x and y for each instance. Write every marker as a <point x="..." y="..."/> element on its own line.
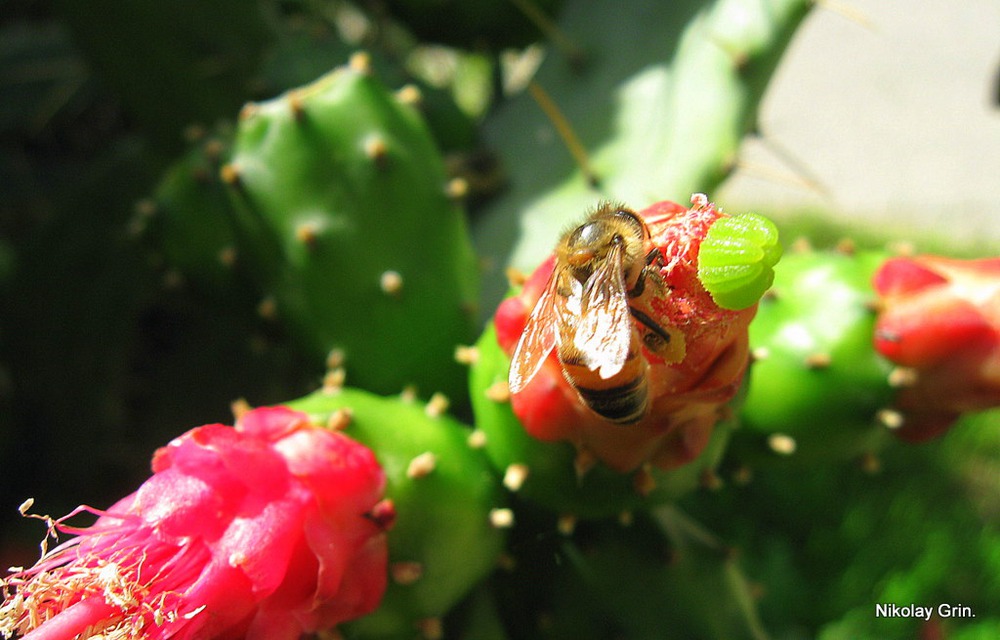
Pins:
<point x="690" y="352"/>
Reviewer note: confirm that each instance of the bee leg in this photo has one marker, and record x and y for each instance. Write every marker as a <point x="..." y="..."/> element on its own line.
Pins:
<point x="656" y="338"/>
<point x="665" y="343"/>
<point x="654" y="260"/>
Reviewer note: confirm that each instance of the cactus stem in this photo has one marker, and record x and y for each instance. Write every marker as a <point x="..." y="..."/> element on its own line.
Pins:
<point x="406" y="572"/>
<point x="377" y="151"/>
<point x="390" y="282"/>
<point x="815" y="361"/>
<point x="467" y="355"/>
<point x="340" y="419"/>
<point x="566" y="524"/>
<point x="890" y="419"/>
<point x="333" y="381"/>
<point x="782" y="444"/>
<point x="239" y="407"/>
<point x="267" y="309"/>
<point x="361" y="62"/>
<point x="437" y="405"/>
<point x="410" y="95"/>
<point x="903" y="377"/>
<point x="501" y="518"/>
<point x="476" y="439"/>
<point x="499" y="391"/>
<point x="643" y="481"/>
<point x="515" y="475"/>
<point x="421" y="466"/>
<point x="431" y="628"/>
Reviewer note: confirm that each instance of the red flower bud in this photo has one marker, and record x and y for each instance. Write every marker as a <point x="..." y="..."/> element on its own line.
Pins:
<point x="940" y="318"/>
<point x="257" y="531"/>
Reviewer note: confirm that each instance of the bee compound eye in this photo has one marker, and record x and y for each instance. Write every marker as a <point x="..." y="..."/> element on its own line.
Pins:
<point x="584" y="236"/>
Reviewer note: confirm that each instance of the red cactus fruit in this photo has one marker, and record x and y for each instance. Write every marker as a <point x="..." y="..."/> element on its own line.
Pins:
<point x="940" y="319"/>
<point x="688" y="382"/>
<point x="266" y="530"/>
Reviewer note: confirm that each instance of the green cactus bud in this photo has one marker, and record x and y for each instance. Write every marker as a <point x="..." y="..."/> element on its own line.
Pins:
<point x="818" y="390"/>
<point x="341" y="199"/>
<point x="446" y="497"/>
<point x="736" y="259"/>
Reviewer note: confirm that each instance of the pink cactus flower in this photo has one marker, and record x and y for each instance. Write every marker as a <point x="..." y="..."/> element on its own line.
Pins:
<point x="269" y="529"/>
<point x="940" y="319"/>
<point x="688" y="387"/>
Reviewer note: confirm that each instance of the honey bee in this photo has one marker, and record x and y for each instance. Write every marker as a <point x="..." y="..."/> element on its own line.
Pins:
<point x="606" y="270"/>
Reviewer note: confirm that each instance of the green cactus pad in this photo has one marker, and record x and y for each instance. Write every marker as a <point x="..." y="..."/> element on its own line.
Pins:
<point x="443" y="532"/>
<point x="736" y="259"/>
<point x="341" y="200"/>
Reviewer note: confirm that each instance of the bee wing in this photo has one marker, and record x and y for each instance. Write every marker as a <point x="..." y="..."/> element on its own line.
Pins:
<point x="538" y="338"/>
<point x="604" y="333"/>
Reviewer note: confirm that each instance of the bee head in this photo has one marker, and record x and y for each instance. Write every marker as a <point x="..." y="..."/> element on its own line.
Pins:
<point x="608" y="227"/>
